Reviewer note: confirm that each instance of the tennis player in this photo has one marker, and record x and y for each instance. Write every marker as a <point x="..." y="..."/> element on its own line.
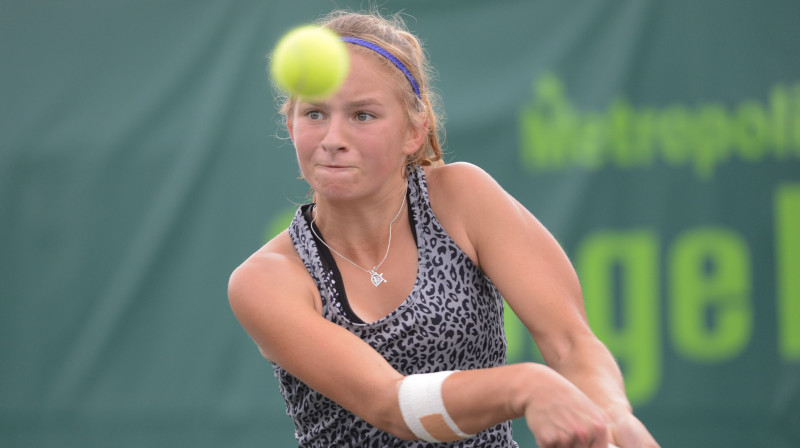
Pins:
<point x="380" y="306"/>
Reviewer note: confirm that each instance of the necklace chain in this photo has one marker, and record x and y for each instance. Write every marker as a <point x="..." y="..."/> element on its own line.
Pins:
<point x="375" y="277"/>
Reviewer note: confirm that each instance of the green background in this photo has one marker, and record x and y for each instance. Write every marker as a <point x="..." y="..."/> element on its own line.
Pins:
<point x="141" y="160"/>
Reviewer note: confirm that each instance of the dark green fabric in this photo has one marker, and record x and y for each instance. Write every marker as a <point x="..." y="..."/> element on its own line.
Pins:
<point x="141" y="159"/>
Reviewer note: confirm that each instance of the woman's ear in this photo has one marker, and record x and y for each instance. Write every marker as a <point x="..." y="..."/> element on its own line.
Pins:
<point x="290" y="128"/>
<point x="417" y="134"/>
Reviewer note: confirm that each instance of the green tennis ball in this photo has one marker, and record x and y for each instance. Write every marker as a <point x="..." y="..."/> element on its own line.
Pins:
<point x="310" y="62"/>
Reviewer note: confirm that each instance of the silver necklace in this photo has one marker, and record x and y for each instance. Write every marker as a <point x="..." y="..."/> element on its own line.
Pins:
<point x="374" y="276"/>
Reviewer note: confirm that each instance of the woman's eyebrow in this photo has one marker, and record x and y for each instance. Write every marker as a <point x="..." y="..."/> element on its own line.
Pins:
<point x="363" y="103"/>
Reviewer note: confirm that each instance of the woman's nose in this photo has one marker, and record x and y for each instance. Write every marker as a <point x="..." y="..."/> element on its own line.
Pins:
<point x="335" y="135"/>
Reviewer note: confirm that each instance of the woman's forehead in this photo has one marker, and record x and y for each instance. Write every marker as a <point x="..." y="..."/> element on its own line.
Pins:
<point x="365" y="64"/>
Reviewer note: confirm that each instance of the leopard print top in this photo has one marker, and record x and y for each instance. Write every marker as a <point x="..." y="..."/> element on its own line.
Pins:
<point x="452" y="320"/>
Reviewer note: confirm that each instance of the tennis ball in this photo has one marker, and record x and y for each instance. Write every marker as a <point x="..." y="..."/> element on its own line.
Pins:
<point x="310" y="62"/>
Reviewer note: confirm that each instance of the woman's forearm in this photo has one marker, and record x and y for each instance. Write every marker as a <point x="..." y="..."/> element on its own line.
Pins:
<point x="556" y="411"/>
<point x="593" y="369"/>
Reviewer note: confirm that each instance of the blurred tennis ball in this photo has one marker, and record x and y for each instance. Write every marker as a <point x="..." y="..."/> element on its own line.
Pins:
<point x="310" y="62"/>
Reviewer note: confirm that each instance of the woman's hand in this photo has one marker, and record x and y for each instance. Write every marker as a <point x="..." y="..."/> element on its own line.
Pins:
<point x="629" y="432"/>
<point x="560" y="415"/>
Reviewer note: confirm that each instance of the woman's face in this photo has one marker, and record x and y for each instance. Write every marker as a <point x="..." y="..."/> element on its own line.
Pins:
<point x="355" y="143"/>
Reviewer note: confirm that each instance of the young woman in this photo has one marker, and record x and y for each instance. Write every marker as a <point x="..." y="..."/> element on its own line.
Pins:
<point x="380" y="306"/>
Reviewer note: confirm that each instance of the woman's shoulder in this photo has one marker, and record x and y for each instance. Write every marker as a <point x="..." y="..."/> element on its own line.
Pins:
<point x="274" y="267"/>
<point x="460" y="181"/>
<point x="270" y="288"/>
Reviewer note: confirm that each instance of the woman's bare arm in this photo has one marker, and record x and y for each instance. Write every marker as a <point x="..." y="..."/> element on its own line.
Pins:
<point x="536" y="278"/>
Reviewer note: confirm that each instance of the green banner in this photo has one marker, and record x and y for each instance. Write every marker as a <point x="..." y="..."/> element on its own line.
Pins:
<point x="142" y="159"/>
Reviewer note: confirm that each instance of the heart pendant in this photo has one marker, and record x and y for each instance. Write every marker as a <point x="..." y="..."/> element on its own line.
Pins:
<point x="377" y="278"/>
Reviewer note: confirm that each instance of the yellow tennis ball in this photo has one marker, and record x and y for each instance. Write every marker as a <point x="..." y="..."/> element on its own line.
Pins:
<point x="310" y="62"/>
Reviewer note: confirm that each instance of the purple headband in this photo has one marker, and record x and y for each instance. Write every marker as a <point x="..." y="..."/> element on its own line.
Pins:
<point x="376" y="48"/>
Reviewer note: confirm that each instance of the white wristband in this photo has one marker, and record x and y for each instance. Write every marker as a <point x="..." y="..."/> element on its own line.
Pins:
<point x="421" y="403"/>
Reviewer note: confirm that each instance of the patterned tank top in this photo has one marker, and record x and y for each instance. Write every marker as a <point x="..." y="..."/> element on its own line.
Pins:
<point x="452" y="320"/>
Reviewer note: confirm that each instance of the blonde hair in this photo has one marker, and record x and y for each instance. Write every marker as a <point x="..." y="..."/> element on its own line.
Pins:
<point x="392" y="35"/>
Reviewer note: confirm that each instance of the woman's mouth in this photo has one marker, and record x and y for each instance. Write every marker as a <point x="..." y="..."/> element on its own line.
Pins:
<point x="335" y="167"/>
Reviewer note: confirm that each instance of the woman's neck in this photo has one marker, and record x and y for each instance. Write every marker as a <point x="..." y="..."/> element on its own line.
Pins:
<point x="360" y="229"/>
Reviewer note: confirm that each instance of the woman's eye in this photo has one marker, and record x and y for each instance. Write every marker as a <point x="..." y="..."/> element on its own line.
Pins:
<point x="314" y="114"/>
<point x="364" y="116"/>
